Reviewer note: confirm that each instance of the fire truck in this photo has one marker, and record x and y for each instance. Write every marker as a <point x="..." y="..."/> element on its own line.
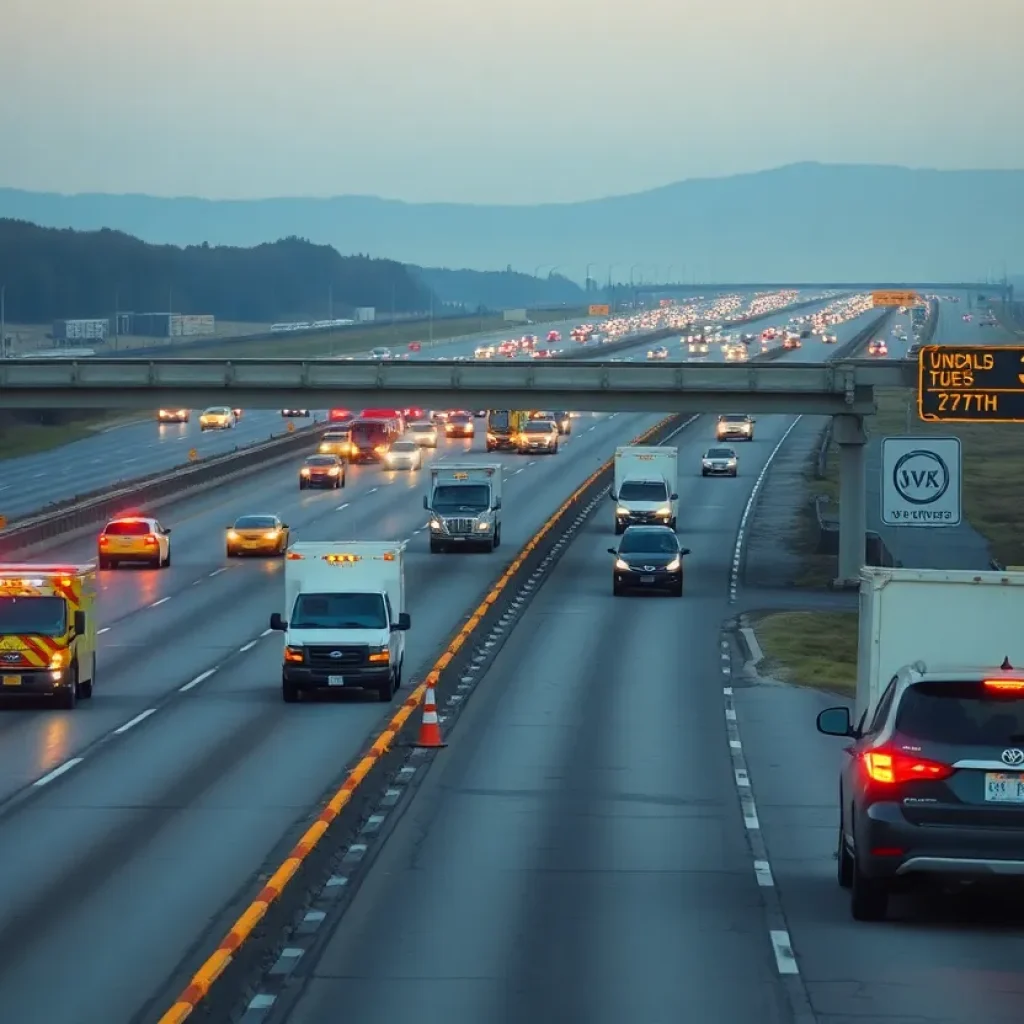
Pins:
<point x="47" y="631"/>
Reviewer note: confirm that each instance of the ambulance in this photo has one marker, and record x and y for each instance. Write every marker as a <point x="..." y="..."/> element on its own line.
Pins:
<point x="47" y="631"/>
<point x="346" y="617"/>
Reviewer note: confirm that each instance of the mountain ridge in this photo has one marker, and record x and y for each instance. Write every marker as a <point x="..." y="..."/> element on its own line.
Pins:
<point x="804" y="221"/>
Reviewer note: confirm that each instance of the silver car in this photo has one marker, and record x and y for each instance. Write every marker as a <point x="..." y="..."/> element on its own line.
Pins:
<point x="719" y="462"/>
<point x="423" y="433"/>
<point x="403" y="454"/>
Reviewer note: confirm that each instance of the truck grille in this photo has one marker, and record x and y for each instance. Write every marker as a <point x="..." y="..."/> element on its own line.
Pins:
<point x="323" y="657"/>
<point x="640" y="518"/>
<point x="460" y="526"/>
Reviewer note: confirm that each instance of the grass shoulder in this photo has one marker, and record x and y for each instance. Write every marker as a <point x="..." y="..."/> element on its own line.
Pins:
<point x="20" y="439"/>
<point x="816" y="649"/>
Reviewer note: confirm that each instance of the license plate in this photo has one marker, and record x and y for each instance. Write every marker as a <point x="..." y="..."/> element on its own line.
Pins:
<point x="12" y="680"/>
<point x="646" y="579"/>
<point x="1004" y="788"/>
<point x="335" y="680"/>
<point x="252" y="543"/>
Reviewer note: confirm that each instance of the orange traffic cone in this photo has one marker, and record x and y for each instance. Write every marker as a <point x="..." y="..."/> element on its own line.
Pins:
<point x="430" y="729"/>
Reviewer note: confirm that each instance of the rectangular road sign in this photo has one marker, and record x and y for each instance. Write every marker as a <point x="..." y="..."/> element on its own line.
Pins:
<point x="921" y="481"/>
<point x="599" y="311"/>
<point x="894" y="298"/>
<point x="970" y="384"/>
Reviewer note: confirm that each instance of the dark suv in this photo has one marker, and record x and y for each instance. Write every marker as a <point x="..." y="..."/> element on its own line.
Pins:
<point x="933" y="785"/>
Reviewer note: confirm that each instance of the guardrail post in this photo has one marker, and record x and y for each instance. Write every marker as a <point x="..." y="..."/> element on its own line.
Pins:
<point x="849" y="434"/>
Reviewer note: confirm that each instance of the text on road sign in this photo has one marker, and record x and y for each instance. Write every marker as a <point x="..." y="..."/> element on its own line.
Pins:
<point x="969" y="384"/>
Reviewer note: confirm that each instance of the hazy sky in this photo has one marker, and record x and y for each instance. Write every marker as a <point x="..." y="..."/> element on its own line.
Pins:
<point x="495" y="100"/>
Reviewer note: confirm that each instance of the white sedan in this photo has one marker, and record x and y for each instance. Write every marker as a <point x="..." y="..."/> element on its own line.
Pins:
<point x="404" y="455"/>
<point x="660" y="352"/>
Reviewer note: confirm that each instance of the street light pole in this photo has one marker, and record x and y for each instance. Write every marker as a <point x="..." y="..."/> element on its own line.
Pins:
<point x="3" y="321"/>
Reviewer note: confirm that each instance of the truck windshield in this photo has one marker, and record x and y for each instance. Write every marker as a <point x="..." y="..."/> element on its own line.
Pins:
<point x="369" y="433"/>
<point x="39" y="616"/>
<point x="338" y="611"/>
<point x="643" y="490"/>
<point x="498" y="420"/>
<point x="462" y="497"/>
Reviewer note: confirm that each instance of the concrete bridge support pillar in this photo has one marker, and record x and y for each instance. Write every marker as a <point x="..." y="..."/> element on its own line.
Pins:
<point x="848" y="432"/>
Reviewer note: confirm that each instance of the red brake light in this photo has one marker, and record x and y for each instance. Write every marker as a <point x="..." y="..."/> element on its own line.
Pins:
<point x="1005" y="685"/>
<point x="893" y="768"/>
<point x="150" y="539"/>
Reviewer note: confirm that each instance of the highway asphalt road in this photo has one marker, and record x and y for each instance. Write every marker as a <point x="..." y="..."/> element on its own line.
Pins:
<point x="577" y="853"/>
<point x="137" y="449"/>
<point x="126" y="846"/>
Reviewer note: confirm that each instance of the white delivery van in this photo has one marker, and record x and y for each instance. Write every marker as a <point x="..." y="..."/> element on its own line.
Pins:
<point x="345" y="617"/>
<point x="464" y="502"/>
<point x="949" y="618"/>
<point x="646" y="481"/>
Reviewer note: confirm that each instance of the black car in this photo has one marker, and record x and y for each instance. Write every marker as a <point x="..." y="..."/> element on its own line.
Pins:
<point x="933" y="784"/>
<point x="299" y="414"/>
<point x="648" y="558"/>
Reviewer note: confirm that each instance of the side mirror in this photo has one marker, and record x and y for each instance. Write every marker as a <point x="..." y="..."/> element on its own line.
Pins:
<point x="167" y="532"/>
<point x="285" y="526"/>
<point x="497" y="504"/>
<point x="835" y="722"/>
<point x="611" y="494"/>
<point x="79" y="623"/>
<point x="673" y="497"/>
<point x="277" y="623"/>
<point x="403" y="623"/>
<point x="612" y="551"/>
<point x="684" y="551"/>
<point x="426" y="504"/>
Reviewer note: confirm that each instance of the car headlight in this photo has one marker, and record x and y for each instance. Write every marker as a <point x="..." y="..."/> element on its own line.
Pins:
<point x="673" y="565"/>
<point x="58" y="660"/>
<point x="705" y="463"/>
<point x="304" y="471"/>
<point x="334" y="471"/>
<point x="379" y="655"/>
<point x="435" y="524"/>
<point x="732" y="462"/>
<point x="620" y="564"/>
<point x="271" y="535"/>
<point x="232" y="535"/>
<point x="622" y="511"/>
<point x="483" y="526"/>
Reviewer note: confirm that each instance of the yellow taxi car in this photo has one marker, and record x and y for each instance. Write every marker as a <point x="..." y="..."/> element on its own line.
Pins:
<point x="218" y="418"/>
<point x="257" y="535"/>
<point x="336" y="442"/>
<point x="134" y="539"/>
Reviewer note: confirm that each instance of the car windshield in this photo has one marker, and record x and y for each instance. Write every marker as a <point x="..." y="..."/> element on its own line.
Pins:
<point x="498" y="420"/>
<point x="540" y="427"/>
<point x="217" y="412"/>
<point x="422" y="428"/>
<point x="662" y="542"/>
<point x="961" y="714"/>
<point x="733" y="419"/>
<point x="256" y="523"/>
<point x="321" y="460"/>
<point x="404" y="446"/>
<point x="460" y="418"/>
<point x="643" y="490"/>
<point x="38" y="616"/>
<point x="338" y="611"/>
<point x="369" y="433"/>
<point x="127" y="528"/>
<point x="720" y="453"/>
<point x="336" y="437"/>
<point x="461" y="497"/>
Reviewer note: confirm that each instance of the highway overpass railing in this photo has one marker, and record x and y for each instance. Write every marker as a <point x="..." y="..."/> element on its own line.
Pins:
<point x="844" y="387"/>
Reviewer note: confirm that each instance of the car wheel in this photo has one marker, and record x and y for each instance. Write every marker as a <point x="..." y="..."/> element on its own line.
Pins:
<point x="289" y="693"/>
<point x="869" y="897"/>
<point x="67" y="696"/>
<point x="844" y="862"/>
<point x="386" y="690"/>
<point x="302" y="485"/>
<point x="231" y="553"/>
<point x="735" y="472"/>
<point x="703" y="472"/>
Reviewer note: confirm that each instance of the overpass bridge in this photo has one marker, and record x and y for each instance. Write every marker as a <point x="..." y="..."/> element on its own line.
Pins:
<point x="843" y="390"/>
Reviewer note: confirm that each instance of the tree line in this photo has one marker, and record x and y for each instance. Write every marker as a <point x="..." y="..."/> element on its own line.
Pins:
<point x="51" y="274"/>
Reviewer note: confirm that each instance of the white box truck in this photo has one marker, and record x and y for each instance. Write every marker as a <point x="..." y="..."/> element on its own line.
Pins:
<point x="464" y="502"/>
<point x="949" y="618"/>
<point x="346" y="617"/>
<point x="646" y="481"/>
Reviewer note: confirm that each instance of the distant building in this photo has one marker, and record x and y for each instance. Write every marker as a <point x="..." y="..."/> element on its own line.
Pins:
<point x="80" y="330"/>
<point x="166" y="325"/>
